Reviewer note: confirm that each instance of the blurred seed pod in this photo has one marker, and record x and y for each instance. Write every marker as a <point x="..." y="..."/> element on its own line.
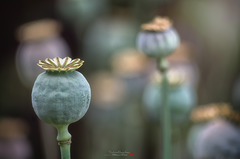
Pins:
<point x="38" y="40"/>
<point x="106" y="37"/>
<point x="130" y="62"/>
<point x="181" y="98"/>
<point x="134" y="69"/>
<point x="217" y="139"/>
<point x="158" y="38"/>
<point x="109" y="92"/>
<point x="80" y="12"/>
<point x="211" y="122"/>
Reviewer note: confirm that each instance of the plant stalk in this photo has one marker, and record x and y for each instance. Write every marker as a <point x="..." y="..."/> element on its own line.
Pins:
<point x="166" y="116"/>
<point x="64" y="141"/>
<point x="65" y="151"/>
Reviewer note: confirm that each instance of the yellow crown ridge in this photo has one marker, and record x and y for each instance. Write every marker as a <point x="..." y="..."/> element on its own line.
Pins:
<point x="158" y="24"/>
<point x="59" y="64"/>
<point x="215" y="110"/>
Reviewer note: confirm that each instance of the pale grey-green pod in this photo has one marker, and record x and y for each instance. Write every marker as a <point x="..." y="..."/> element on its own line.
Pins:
<point x="59" y="96"/>
<point x="158" y="44"/>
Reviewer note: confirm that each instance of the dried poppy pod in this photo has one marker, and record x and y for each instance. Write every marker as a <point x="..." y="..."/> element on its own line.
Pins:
<point x="158" y="38"/>
<point x="61" y="96"/>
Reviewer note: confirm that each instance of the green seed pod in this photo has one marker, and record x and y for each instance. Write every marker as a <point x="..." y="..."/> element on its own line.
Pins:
<point x="158" y="38"/>
<point x="61" y="95"/>
<point x="181" y="99"/>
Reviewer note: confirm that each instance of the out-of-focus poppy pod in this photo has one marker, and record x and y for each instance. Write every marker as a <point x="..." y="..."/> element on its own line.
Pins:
<point x="38" y="40"/>
<point x="134" y="69"/>
<point x="181" y="98"/>
<point x="158" y="38"/>
<point x="80" y="12"/>
<point x="106" y="37"/>
<point x="131" y="63"/>
<point x="214" y="135"/>
<point x="218" y="139"/>
<point x="109" y="91"/>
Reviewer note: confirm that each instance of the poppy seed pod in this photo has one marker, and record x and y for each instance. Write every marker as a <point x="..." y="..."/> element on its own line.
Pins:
<point x="181" y="99"/>
<point x="61" y="95"/>
<point x="214" y="134"/>
<point x="217" y="139"/>
<point x="158" y="38"/>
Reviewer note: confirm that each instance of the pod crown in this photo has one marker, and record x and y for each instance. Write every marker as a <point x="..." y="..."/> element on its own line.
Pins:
<point x="157" y="24"/>
<point x="59" y="64"/>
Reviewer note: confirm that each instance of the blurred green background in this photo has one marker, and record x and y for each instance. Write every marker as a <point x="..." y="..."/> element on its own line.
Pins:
<point x="103" y="33"/>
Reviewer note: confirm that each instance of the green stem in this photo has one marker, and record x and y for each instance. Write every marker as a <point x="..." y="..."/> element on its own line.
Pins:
<point x="65" y="151"/>
<point x="166" y="116"/>
<point x="64" y="141"/>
